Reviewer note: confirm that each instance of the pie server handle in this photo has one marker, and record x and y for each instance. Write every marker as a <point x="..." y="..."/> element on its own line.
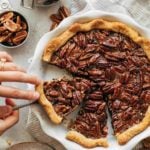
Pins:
<point x="24" y="105"/>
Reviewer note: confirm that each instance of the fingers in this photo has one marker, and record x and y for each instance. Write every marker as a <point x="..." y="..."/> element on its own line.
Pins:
<point x="6" y="56"/>
<point x="10" y="102"/>
<point x="18" y="94"/>
<point x="9" y="66"/>
<point x="11" y="120"/>
<point x="15" y="76"/>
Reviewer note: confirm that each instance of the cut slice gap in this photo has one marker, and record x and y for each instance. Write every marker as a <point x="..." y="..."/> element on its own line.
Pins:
<point x="71" y="117"/>
<point x="90" y="127"/>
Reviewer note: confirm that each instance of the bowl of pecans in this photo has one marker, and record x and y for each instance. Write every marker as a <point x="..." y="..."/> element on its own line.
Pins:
<point x="14" y="29"/>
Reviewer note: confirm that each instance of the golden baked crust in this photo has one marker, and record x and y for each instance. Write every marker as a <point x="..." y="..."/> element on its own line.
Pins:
<point x="86" y="142"/>
<point x="57" y="42"/>
<point x="124" y="137"/>
<point x="48" y="107"/>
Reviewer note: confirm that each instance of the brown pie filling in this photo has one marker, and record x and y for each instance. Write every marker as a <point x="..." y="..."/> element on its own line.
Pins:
<point x="121" y="69"/>
<point x="92" y="118"/>
<point x="65" y="95"/>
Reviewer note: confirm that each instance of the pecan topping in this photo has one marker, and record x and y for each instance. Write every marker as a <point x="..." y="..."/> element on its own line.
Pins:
<point x="62" y="13"/>
<point x="118" y="66"/>
<point x="66" y="95"/>
<point x="91" y="120"/>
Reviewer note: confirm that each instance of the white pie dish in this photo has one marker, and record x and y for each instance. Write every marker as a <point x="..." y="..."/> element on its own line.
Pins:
<point x="48" y="72"/>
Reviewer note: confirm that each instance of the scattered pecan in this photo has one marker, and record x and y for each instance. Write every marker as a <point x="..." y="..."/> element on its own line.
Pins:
<point x="62" y="13"/>
<point x="2" y="29"/>
<point x="54" y="25"/>
<point x="23" y="25"/>
<point x="56" y="18"/>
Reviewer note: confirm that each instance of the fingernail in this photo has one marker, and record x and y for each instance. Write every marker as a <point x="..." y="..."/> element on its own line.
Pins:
<point x="39" y="81"/>
<point x="36" y="95"/>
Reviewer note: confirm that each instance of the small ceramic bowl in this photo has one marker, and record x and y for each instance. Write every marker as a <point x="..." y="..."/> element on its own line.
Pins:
<point x="4" y="44"/>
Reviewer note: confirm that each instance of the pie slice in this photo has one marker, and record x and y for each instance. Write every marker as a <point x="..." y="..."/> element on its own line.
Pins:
<point x="116" y="58"/>
<point x="60" y="97"/>
<point x="90" y="127"/>
<point x="129" y="105"/>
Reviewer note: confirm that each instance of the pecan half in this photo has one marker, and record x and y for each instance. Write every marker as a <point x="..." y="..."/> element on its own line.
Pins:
<point x="6" y="17"/>
<point x="56" y="18"/>
<point x="54" y="25"/>
<point x="18" y="20"/>
<point x="62" y="13"/>
<point x="2" y="29"/>
<point x="5" y="37"/>
<point x="12" y="26"/>
<point x="19" y="37"/>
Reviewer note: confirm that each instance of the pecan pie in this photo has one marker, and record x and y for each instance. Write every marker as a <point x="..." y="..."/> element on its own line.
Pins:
<point x="116" y="58"/>
<point x="61" y="97"/>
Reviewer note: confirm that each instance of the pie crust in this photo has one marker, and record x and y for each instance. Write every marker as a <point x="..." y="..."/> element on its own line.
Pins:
<point x="59" y="41"/>
<point x="84" y="141"/>
<point x="47" y="105"/>
<point x="124" y="137"/>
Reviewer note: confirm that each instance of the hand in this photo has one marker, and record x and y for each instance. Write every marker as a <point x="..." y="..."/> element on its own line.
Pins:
<point x="10" y="120"/>
<point x="14" y="73"/>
